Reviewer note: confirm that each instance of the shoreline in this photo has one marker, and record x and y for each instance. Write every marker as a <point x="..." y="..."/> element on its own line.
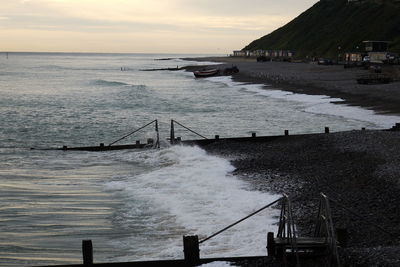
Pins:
<point x="359" y="169"/>
<point x="312" y="79"/>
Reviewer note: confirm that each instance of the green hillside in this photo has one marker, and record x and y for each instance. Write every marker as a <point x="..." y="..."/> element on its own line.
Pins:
<point x="330" y="24"/>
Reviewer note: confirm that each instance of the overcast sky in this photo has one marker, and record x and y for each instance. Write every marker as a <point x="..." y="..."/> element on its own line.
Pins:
<point x="141" y="26"/>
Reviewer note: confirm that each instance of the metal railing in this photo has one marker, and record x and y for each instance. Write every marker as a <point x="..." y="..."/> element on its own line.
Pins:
<point x="287" y="228"/>
<point x="324" y="228"/>
<point x="241" y="220"/>
<point x="172" y="133"/>
<point x="157" y="144"/>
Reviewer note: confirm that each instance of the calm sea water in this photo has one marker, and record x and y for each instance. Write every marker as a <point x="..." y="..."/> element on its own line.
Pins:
<point x="134" y="205"/>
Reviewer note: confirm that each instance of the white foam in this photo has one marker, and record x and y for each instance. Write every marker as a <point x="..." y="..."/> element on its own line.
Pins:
<point x="217" y="264"/>
<point x="202" y="197"/>
<point x="318" y="104"/>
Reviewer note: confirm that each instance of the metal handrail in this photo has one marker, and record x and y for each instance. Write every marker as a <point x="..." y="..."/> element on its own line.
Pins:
<point x="174" y="121"/>
<point x="239" y="221"/>
<point x="325" y="216"/>
<point x="287" y="227"/>
<point x="137" y="130"/>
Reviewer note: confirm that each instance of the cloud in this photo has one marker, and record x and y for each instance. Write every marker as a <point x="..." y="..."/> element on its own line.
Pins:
<point x="231" y="24"/>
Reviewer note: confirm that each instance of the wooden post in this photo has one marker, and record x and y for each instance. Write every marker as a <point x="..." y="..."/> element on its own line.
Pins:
<point x="217" y="137"/>
<point x="101" y="144"/>
<point x="326" y="129"/>
<point x="179" y="139"/>
<point x="150" y="141"/>
<point x="172" y="133"/>
<point x="137" y="143"/>
<point x="87" y="252"/>
<point x="271" y="245"/>
<point x="65" y="147"/>
<point x="191" y="249"/>
<point x="158" y="135"/>
<point x="286" y="132"/>
<point x="363" y="129"/>
<point x="253" y="135"/>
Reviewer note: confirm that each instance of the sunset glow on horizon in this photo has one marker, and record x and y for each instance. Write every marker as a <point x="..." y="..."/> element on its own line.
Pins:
<point x="152" y="26"/>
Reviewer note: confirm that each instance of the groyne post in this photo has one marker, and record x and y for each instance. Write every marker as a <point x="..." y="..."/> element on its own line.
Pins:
<point x="253" y="135"/>
<point x="172" y="133"/>
<point x="217" y="137"/>
<point x="326" y="129"/>
<point x="87" y="252"/>
<point x="191" y="250"/>
<point x="286" y="132"/>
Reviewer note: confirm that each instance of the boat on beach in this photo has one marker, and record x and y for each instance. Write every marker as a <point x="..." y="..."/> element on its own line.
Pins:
<point x="206" y="73"/>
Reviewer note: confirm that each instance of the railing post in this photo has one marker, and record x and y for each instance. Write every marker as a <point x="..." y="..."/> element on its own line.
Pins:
<point x="172" y="133"/>
<point x="87" y="252"/>
<point x="191" y="250"/>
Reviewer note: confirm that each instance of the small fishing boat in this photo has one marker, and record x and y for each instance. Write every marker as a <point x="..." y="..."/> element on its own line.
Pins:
<point x="206" y="73"/>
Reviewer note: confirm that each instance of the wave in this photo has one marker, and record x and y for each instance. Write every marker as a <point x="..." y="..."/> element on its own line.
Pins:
<point x="109" y="83"/>
<point x="116" y="83"/>
<point x="187" y="191"/>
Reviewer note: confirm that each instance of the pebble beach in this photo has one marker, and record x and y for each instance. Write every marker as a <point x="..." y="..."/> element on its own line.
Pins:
<point x="358" y="169"/>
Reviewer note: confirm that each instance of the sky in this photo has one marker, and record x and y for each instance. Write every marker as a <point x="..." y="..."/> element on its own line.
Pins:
<point x="141" y="26"/>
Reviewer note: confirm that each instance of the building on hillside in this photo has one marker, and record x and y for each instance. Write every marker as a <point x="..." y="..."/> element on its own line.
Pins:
<point x="376" y="46"/>
<point x="375" y="52"/>
<point x="378" y="51"/>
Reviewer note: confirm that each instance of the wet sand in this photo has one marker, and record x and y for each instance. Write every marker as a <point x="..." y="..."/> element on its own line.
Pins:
<point x="313" y="79"/>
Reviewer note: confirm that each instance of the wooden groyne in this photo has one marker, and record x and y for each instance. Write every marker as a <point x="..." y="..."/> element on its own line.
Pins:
<point x="151" y="143"/>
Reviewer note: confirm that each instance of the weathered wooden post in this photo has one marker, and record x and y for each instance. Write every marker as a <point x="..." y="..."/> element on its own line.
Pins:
<point x="363" y="129"/>
<point x="87" y="252"/>
<point x="101" y="144"/>
<point x="216" y="137"/>
<point x="286" y="132"/>
<point x="137" y="143"/>
<point x="172" y="133"/>
<point x="326" y="129"/>
<point x="179" y="139"/>
<point x="271" y="245"/>
<point x="191" y="250"/>
<point x="158" y="135"/>
<point x="253" y="135"/>
<point x="65" y="148"/>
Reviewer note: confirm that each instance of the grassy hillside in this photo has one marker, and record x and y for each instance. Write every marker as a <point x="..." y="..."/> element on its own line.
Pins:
<point x="327" y="25"/>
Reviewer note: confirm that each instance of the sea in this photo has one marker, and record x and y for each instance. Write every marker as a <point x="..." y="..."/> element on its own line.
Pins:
<point x="136" y="204"/>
